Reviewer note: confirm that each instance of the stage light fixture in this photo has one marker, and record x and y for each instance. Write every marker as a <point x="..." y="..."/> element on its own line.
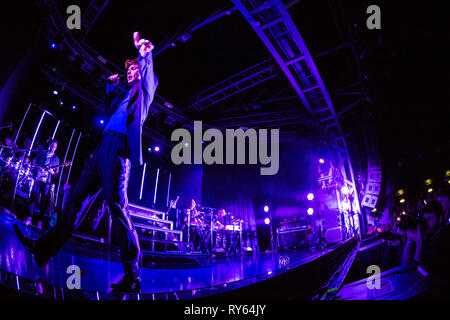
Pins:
<point x="400" y="192"/>
<point x="374" y="210"/>
<point x="321" y="160"/>
<point x="310" y="196"/>
<point x="55" y="92"/>
<point x="428" y="182"/>
<point x="157" y="148"/>
<point x="74" y="107"/>
<point x="430" y="190"/>
<point x="53" y="45"/>
<point x="267" y="220"/>
<point x="149" y="149"/>
<point x="266" y="208"/>
<point x="402" y="200"/>
<point x="344" y="190"/>
<point x="310" y="211"/>
<point x="102" y="121"/>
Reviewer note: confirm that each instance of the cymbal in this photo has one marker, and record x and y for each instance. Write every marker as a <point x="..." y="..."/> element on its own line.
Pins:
<point x="10" y="143"/>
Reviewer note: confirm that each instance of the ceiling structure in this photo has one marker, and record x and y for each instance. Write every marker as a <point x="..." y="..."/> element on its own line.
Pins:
<point x="212" y="66"/>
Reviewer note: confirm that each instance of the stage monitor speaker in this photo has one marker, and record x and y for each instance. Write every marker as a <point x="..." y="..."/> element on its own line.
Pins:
<point x="374" y="165"/>
<point x="374" y="176"/>
<point x="369" y="200"/>
<point x="373" y="185"/>
<point x="373" y="188"/>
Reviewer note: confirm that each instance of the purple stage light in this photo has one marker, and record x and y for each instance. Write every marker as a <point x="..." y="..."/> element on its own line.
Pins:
<point x="53" y="45"/>
<point x="310" y="196"/>
<point x="157" y="149"/>
<point x="310" y="211"/>
<point x="266" y="208"/>
<point x="267" y="220"/>
<point x="321" y="160"/>
<point x="102" y="121"/>
<point x="55" y="92"/>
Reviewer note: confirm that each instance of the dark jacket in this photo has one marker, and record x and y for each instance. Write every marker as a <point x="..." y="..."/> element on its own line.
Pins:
<point x="141" y="97"/>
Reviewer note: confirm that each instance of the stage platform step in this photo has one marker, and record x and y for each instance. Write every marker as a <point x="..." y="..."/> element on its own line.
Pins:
<point x="164" y="241"/>
<point x="151" y="219"/>
<point x="148" y="227"/>
<point x="134" y="208"/>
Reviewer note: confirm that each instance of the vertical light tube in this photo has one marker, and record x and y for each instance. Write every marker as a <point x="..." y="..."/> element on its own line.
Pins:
<point x="156" y="186"/>
<point x="60" y="173"/>
<point x="73" y="157"/>
<point x="168" y="190"/>
<point x="142" y="181"/>
<point x="56" y="129"/>
<point x="36" y="132"/>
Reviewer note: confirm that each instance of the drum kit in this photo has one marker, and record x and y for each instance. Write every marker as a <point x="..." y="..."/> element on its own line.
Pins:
<point x="16" y="171"/>
<point x="17" y="174"/>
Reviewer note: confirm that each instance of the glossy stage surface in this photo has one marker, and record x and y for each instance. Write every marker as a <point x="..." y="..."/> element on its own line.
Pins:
<point x="100" y="268"/>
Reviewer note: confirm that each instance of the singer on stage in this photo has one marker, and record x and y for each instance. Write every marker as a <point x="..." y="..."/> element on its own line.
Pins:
<point x="109" y="168"/>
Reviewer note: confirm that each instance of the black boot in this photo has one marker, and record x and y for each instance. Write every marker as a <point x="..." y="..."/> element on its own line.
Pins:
<point x="31" y="246"/>
<point x="28" y="244"/>
<point x="127" y="285"/>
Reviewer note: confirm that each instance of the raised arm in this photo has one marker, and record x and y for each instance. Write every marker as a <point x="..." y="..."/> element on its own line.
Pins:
<point x="145" y="59"/>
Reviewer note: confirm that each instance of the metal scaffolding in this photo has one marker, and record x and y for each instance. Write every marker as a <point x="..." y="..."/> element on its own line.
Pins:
<point x="246" y="79"/>
<point x="274" y="26"/>
<point x="91" y="14"/>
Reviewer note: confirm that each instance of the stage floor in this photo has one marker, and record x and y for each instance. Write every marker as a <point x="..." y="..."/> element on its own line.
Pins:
<point x="100" y="268"/>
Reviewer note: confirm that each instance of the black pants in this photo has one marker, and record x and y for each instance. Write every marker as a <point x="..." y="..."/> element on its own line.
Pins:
<point x="108" y="168"/>
<point x="224" y="240"/>
<point x="195" y="236"/>
<point x="40" y="199"/>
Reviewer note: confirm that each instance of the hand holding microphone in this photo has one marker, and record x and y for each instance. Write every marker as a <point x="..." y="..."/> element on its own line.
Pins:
<point x="115" y="78"/>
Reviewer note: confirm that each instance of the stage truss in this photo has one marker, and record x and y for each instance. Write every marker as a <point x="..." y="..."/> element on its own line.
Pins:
<point x="275" y="27"/>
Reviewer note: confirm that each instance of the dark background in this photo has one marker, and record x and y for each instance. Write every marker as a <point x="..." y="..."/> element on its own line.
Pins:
<point x="406" y="94"/>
